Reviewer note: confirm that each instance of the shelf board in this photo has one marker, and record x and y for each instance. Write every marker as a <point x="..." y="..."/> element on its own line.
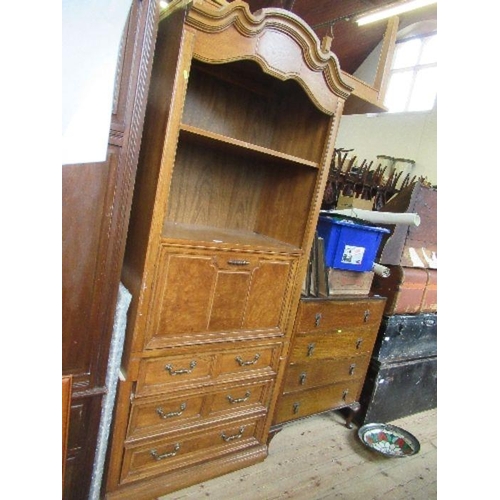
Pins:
<point x="367" y="98"/>
<point x="363" y="99"/>
<point x="216" y="237"/>
<point x="196" y="133"/>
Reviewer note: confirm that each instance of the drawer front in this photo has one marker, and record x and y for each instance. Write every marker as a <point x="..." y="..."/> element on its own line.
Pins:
<point x="149" y="417"/>
<point x="206" y="295"/>
<point x="339" y="315"/>
<point x="158" y="456"/>
<point x="242" y="398"/>
<point x="153" y="416"/>
<point x="167" y="373"/>
<point x="302" y="404"/>
<point x="157" y="375"/>
<point x="307" y="348"/>
<point x="304" y="376"/>
<point x="249" y="361"/>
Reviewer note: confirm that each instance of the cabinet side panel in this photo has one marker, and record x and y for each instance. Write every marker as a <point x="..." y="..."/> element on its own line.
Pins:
<point x="158" y="109"/>
<point x="83" y="195"/>
<point x="157" y="112"/>
<point x="82" y="441"/>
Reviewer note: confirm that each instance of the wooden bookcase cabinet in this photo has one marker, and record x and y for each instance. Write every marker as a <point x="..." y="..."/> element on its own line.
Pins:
<point x="239" y="132"/>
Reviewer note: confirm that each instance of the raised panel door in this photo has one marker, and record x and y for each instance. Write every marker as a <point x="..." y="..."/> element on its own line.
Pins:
<point x="205" y="295"/>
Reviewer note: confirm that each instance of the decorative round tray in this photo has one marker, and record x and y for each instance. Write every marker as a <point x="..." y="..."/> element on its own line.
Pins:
<point x="389" y="440"/>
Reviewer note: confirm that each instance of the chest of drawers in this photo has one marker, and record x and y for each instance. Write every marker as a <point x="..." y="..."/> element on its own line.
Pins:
<point x="329" y="356"/>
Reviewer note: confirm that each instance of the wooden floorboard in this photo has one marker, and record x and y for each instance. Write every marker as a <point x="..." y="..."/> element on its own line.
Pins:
<point x="318" y="458"/>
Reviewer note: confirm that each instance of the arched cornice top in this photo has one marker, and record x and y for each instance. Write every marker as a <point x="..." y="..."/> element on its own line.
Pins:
<point x="278" y="40"/>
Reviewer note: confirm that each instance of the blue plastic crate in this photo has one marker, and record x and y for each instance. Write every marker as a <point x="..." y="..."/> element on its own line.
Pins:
<point x="349" y="245"/>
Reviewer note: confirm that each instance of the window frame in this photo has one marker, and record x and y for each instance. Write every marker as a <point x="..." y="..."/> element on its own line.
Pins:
<point x="414" y="70"/>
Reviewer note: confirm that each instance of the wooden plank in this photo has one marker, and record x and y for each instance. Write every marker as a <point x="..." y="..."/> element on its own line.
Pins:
<point x="318" y="458"/>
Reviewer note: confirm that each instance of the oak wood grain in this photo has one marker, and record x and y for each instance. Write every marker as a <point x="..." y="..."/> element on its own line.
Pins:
<point x="238" y="138"/>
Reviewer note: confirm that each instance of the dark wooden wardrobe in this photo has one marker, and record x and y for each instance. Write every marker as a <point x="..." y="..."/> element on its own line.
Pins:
<point x="96" y="200"/>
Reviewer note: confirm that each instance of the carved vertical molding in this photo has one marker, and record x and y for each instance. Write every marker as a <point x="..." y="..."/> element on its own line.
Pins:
<point x="121" y="185"/>
<point x="119" y="67"/>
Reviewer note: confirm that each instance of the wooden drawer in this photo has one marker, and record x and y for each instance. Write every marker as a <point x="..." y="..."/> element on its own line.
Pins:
<point x="339" y="314"/>
<point x="157" y="375"/>
<point x="152" y="416"/>
<point x="302" y="404"/>
<point x="310" y="347"/>
<point x="248" y="361"/>
<point x="168" y="373"/>
<point x="241" y="398"/>
<point x="304" y="376"/>
<point x="158" y="456"/>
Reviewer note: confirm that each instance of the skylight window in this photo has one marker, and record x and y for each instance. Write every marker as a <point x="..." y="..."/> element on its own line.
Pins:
<point x="413" y="78"/>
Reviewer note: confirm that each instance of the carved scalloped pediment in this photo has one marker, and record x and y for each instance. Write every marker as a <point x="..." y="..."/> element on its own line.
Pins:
<point x="278" y="40"/>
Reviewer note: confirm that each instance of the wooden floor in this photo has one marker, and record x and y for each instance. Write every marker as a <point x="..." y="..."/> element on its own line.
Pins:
<point x="318" y="458"/>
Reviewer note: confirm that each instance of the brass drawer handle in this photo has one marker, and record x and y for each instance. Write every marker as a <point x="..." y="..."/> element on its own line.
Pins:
<point x="310" y="348"/>
<point x="162" y="414"/>
<point x="235" y="436"/>
<point x="246" y="363"/>
<point x="366" y="315"/>
<point x="157" y="457"/>
<point x="239" y="400"/>
<point x="238" y="262"/>
<point x="317" y="319"/>
<point x="296" y="407"/>
<point x="171" y="370"/>
<point x="302" y="378"/>
<point x="344" y="394"/>
<point x="351" y="369"/>
<point x="358" y="343"/>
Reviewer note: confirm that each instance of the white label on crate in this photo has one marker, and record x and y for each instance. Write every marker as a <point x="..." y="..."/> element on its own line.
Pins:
<point x="353" y="255"/>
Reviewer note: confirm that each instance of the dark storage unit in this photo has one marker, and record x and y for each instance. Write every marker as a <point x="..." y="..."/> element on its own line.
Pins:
<point x="406" y="336"/>
<point x="396" y="390"/>
<point x="402" y="376"/>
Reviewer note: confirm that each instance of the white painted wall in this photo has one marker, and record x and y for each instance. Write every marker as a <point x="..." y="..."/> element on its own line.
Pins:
<point x="401" y="135"/>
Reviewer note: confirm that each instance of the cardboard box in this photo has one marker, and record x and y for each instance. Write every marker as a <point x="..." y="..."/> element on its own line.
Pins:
<point x="352" y="202"/>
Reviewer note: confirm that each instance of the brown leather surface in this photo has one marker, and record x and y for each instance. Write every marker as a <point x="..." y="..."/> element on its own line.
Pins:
<point x="406" y="290"/>
<point x="429" y="299"/>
